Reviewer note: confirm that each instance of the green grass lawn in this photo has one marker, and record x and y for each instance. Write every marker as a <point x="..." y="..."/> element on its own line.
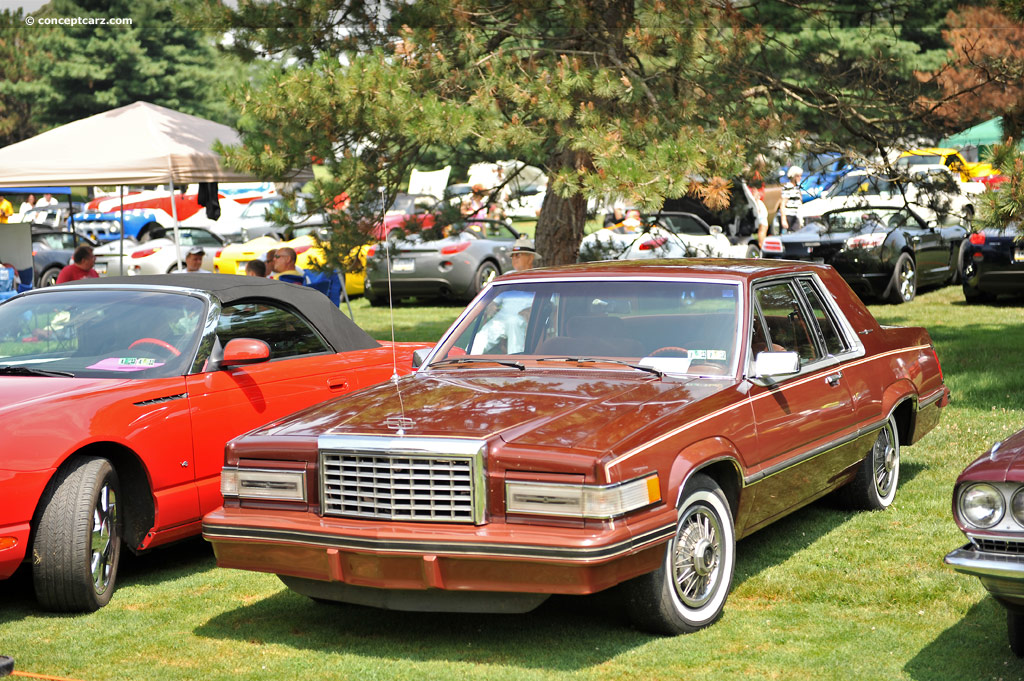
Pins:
<point x="823" y="594"/>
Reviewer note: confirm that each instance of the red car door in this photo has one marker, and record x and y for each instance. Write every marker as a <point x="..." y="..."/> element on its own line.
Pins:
<point x="303" y="370"/>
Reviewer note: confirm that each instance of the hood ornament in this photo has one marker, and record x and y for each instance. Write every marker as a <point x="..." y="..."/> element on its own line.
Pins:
<point x="399" y="423"/>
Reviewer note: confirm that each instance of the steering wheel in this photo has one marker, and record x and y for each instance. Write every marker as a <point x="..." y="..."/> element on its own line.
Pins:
<point x="669" y="351"/>
<point x="156" y="341"/>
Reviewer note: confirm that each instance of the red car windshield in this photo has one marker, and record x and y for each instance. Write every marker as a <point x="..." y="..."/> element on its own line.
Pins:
<point x="105" y="334"/>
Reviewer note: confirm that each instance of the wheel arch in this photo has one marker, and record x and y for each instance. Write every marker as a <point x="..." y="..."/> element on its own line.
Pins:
<point x="714" y="457"/>
<point x="139" y="510"/>
<point x="904" y="412"/>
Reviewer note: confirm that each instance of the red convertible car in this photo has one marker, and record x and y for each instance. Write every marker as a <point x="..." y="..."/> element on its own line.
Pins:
<point x="117" y="400"/>
<point x="586" y="427"/>
<point x="988" y="506"/>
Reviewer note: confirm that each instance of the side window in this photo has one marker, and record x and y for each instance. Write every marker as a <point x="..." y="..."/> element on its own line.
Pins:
<point x="835" y="344"/>
<point x="287" y="334"/>
<point x="788" y="327"/>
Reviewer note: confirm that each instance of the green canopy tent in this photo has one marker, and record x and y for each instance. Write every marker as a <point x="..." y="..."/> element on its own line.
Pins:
<point x="981" y="135"/>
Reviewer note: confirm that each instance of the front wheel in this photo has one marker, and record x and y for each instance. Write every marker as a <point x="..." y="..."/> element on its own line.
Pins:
<point x="874" y="487"/>
<point x="688" y="591"/>
<point x="1015" y="632"/>
<point x="49" y="277"/>
<point x="77" y="546"/>
<point x="903" y="285"/>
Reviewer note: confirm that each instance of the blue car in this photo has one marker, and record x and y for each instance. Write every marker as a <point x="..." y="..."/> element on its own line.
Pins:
<point x="821" y="171"/>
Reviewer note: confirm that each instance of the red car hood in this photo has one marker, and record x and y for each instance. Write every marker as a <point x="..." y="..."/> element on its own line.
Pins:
<point x="1006" y="464"/>
<point x="583" y="409"/>
<point x="23" y="392"/>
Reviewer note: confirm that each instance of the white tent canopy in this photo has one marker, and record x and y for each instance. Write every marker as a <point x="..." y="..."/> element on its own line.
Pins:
<point x="140" y="143"/>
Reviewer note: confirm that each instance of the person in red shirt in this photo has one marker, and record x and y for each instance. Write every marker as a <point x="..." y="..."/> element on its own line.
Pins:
<point x="81" y="266"/>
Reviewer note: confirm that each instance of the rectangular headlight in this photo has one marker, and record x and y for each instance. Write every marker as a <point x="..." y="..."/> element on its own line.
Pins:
<point x="258" y="483"/>
<point x="581" y="501"/>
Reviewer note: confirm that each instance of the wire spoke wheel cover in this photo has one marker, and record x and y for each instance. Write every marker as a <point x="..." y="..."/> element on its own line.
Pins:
<point x="885" y="461"/>
<point x="697" y="554"/>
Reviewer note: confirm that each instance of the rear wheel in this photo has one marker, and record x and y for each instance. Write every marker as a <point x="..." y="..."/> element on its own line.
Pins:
<point x="903" y="285"/>
<point x="753" y="251"/>
<point x="688" y="591"/>
<point x="377" y="301"/>
<point x="874" y="487"/>
<point x="77" y="546"/>
<point x="484" y="274"/>
<point x="49" y="277"/>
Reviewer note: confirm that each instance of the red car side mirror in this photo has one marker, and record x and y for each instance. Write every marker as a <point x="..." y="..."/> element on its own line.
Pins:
<point x="241" y="351"/>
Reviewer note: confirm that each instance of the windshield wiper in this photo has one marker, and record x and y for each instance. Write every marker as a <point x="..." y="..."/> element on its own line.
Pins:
<point x="468" y="360"/>
<point x="639" y="367"/>
<point x="17" y="370"/>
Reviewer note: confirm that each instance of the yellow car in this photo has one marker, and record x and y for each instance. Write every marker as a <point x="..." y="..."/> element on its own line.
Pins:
<point x="309" y="256"/>
<point x="233" y="258"/>
<point x="951" y="158"/>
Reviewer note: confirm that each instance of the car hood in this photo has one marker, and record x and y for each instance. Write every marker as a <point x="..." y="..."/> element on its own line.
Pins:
<point x="18" y="393"/>
<point x="582" y="409"/>
<point x="1004" y="462"/>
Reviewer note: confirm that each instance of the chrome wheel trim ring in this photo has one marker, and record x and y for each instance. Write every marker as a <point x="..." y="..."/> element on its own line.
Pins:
<point x="885" y="462"/>
<point x="906" y="280"/>
<point x="104" y="538"/>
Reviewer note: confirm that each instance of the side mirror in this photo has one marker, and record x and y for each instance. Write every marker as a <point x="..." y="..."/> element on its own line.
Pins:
<point x="772" y="364"/>
<point x="419" y="357"/>
<point x="242" y="351"/>
<point x="716" y="230"/>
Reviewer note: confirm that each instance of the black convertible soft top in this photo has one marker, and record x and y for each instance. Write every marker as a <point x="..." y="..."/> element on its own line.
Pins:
<point x="340" y="331"/>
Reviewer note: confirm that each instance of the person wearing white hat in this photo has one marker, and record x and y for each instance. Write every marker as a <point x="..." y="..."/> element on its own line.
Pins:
<point x="792" y="198"/>
<point x="194" y="261"/>
<point x="523" y="254"/>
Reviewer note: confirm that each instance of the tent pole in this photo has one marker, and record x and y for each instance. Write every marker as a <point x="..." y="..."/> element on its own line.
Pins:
<point x="121" y="258"/>
<point x="177" y="238"/>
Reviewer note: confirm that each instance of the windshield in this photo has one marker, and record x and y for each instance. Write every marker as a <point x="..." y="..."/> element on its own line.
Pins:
<point x="674" y="326"/>
<point x="105" y="334"/>
<point x="856" y="185"/>
<point x="870" y="220"/>
<point x="919" y="160"/>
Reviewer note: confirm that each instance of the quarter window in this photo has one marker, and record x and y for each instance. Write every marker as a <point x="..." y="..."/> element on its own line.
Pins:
<point x="835" y="344"/>
<point x="789" y="330"/>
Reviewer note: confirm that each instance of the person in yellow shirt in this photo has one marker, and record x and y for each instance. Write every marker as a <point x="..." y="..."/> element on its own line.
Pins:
<point x="6" y="209"/>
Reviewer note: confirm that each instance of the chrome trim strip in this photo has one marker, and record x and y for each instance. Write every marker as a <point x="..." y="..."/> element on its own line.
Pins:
<point x="813" y="453"/>
<point x="931" y="399"/>
<point x="972" y="562"/>
<point x="434" y="548"/>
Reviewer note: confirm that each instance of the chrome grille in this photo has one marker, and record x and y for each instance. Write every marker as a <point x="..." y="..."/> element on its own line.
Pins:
<point x="399" y="486"/>
<point x="998" y="545"/>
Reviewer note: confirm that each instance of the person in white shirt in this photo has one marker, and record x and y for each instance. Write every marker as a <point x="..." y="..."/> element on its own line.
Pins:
<point x="47" y="200"/>
<point x="194" y="261"/>
<point x="792" y="198"/>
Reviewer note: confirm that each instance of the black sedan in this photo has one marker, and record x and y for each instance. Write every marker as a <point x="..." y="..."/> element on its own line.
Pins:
<point x="883" y="251"/>
<point x="992" y="263"/>
<point x="455" y="263"/>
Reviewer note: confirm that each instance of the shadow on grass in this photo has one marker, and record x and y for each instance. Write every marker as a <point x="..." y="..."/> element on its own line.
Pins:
<point x="976" y="647"/>
<point x="565" y="633"/>
<point x="17" y="594"/>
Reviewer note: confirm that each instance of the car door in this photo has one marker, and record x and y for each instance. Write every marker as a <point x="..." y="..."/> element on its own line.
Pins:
<point x="303" y="370"/>
<point x="801" y="420"/>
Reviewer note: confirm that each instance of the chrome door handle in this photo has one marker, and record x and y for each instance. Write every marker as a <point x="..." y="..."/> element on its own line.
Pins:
<point x="833" y="379"/>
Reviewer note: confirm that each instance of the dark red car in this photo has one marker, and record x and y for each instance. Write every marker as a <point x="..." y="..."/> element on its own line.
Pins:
<point x="587" y="427"/>
<point x="988" y="506"/>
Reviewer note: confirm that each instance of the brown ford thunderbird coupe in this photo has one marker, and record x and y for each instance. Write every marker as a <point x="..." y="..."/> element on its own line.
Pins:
<point x="587" y="427"/>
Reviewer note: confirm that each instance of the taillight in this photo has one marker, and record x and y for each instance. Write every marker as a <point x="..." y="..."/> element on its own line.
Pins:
<point x="772" y="245"/>
<point x="455" y="248"/>
<point x="938" y="364"/>
<point x="145" y="252"/>
<point x="219" y="251"/>
<point x="371" y="251"/>
<point x="866" y="240"/>
<point x="651" y="244"/>
<point x="978" y="238"/>
<point x="302" y="249"/>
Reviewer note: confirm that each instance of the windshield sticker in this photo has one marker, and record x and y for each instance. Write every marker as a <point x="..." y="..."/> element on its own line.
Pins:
<point x="126" y="364"/>
<point x="707" y="354"/>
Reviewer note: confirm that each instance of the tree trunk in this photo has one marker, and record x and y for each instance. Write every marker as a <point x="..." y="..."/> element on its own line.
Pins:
<point x="561" y="220"/>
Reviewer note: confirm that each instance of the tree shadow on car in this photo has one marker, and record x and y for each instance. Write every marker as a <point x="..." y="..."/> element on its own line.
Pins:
<point x="975" y="647"/>
<point x="565" y="633"/>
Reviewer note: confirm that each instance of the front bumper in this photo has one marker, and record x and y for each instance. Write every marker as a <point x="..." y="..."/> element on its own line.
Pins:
<point x="496" y="557"/>
<point x="1001" y="573"/>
